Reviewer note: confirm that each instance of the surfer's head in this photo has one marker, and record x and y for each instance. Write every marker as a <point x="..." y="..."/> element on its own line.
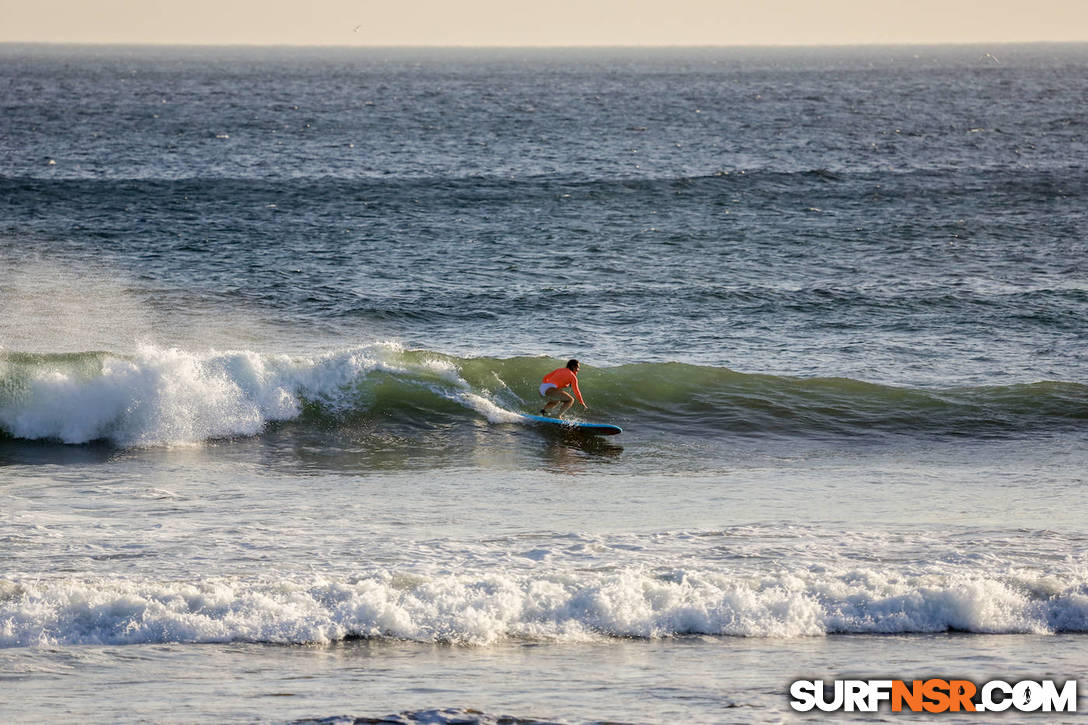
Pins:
<point x="573" y="365"/>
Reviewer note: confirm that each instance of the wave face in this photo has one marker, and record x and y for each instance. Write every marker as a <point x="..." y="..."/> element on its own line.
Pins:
<point x="157" y="397"/>
<point x="481" y="609"/>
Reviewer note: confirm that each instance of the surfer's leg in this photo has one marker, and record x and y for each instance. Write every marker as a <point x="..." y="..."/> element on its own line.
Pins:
<point x="558" y="397"/>
<point x="552" y="399"/>
<point x="566" y="406"/>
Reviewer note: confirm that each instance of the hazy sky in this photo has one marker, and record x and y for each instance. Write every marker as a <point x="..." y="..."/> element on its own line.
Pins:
<point x="534" y="22"/>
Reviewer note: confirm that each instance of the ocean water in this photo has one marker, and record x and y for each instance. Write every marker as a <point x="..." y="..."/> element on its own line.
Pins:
<point x="270" y="319"/>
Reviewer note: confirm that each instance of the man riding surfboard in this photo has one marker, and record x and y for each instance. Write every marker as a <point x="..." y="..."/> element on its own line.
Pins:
<point x="552" y="389"/>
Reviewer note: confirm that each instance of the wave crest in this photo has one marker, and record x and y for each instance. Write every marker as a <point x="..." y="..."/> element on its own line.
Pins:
<point x="174" y="397"/>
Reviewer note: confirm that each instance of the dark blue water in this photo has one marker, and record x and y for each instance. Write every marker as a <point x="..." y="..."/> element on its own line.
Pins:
<point x="896" y="215"/>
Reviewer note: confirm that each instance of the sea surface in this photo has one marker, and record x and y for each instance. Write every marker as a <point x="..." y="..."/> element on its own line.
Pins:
<point x="270" y="320"/>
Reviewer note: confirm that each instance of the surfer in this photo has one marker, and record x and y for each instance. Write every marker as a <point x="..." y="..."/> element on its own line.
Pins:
<point x="552" y="389"/>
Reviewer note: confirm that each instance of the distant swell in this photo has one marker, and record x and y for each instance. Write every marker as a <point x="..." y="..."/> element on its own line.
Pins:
<point x="480" y="609"/>
<point x="159" y="397"/>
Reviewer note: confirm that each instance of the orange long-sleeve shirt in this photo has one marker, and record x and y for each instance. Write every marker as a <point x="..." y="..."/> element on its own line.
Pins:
<point x="561" y="378"/>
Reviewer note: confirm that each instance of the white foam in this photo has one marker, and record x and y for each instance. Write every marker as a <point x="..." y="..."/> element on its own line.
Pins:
<point x="483" y="608"/>
<point x="489" y="409"/>
<point x="457" y="389"/>
<point x="169" y="396"/>
<point x="154" y="397"/>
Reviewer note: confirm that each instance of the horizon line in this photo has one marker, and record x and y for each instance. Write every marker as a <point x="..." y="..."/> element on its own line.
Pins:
<point x="607" y="46"/>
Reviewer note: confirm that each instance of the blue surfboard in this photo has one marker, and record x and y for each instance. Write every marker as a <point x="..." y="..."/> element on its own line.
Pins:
<point x="597" y="429"/>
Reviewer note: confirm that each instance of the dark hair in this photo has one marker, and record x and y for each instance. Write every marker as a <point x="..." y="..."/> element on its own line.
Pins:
<point x="571" y="364"/>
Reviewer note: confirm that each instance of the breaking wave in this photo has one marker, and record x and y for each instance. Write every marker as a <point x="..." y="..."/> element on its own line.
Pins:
<point x="158" y="396"/>
<point x="488" y="607"/>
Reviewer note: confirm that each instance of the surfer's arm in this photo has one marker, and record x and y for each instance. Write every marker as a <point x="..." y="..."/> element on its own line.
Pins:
<point x="577" y="392"/>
